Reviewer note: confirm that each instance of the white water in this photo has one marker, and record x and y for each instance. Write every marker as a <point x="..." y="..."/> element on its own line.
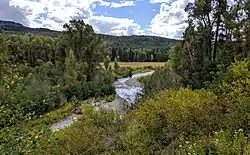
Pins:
<point x="123" y="92"/>
<point x="129" y="93"/>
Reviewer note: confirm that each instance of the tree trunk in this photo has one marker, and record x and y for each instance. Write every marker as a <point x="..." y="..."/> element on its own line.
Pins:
<point x="216" y="39"/>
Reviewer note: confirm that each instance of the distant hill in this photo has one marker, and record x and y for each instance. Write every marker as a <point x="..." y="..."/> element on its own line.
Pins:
<point x="151" y="42"/>
<point x="17" y="28"/>
<point x="139" y="41"/>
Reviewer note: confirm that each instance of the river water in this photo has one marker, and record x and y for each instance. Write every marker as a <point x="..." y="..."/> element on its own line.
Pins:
<point x="129" y="93"/>
<point x="124" y="92"/>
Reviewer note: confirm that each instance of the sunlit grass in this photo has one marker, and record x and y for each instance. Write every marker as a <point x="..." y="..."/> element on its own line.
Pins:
<point x="139" y="64"/>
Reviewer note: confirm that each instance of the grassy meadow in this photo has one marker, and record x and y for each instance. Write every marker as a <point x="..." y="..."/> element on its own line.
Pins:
<point x="139" y="64"/>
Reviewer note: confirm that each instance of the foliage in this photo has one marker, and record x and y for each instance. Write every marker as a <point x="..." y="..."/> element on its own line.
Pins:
<point x="71" y="65"/>
<point x="236" y="81"/>
<point x="23" y="138"/>
<point x="144" y="69"/>
<point x="134" y="41"/>
<point x="214" y="38"/>
<point x="116" y="65"/>
<point x="87" y="46"/>
<point x="101" y="86"/>
<point x="123" y="71"/>
<point x="181" y="111"/>
<point x="164" y="78"/>
<point x="107" y="62"/>
<point x="233" y="88"/>
<point x="126" y="54"/>
<point x="144" y="79"/>
<point x="220" y="143"/>
<point x="29" y="96"/>
<point x="37" y="72"/>
<point x="171" y="122"/>
<point x="94" y="134"/>
<point x="128" y="48"/>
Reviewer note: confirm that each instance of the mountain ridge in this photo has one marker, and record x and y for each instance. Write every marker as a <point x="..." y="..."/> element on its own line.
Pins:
<point x="137" y="41"/>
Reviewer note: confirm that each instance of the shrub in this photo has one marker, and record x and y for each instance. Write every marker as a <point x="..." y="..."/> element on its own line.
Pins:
<point x="30" y="97"/>
<point x="95" y="133"/>
<point x="220" y="143"/>
<point x="23" y="138"/>
<point x="144" y="80"/>
<point x="233" y="88"/>
<point x="162" y="79"/>
<point x="191" y="112"/>
<point x="136" y="140"/>
<point x="101" y="85"/>
<point x="123" y="71"/>
<point x="235" y="83"/>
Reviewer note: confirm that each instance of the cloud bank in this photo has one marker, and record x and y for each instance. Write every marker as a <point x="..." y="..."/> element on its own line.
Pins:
<point x="169" y="22"/>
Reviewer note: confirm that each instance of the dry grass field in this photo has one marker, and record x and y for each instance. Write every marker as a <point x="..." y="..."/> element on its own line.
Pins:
<point x="139" y="64"/>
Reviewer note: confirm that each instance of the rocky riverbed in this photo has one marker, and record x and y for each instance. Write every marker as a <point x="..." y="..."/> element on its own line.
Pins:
<point x="127" y="91"/>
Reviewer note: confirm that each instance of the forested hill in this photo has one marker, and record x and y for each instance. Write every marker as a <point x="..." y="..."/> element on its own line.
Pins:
<point x="137" y="41"/>
<point x="151" y="42"/>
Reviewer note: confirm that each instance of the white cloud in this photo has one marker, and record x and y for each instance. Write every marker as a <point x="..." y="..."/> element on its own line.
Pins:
<point x="170" y="22"/>
<point x="159" y="1"/>
<point x="54" y="13"/>
<point x="117" y="5"/>
<point x="115" y="26"/>
<point x="16" y="14"/>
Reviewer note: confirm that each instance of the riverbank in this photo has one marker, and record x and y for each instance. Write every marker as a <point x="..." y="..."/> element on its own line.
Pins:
<point x="126" y="92"/>
<point x="133" y="82"/>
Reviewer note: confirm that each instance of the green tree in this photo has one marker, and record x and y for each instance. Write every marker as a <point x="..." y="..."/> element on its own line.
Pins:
<point x="3" y="57"/>
<point x="71" y="67"/>
<point x="87" y="45"/>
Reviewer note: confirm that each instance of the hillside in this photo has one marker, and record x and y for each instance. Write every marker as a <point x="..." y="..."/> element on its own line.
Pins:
<point x="139" y="41"/>
<point x="151" y="42"/>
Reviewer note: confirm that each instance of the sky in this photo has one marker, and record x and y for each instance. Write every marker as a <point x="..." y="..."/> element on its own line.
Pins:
<point x="164" y="18"/>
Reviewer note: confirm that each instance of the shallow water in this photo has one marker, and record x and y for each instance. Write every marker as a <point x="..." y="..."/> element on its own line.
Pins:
<point x="129" y="93"/>
<point x="123" y="92"/>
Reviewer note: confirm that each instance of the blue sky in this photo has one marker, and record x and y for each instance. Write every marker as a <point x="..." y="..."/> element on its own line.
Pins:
<point x="164" y="18"/>
<point x="142" y="12"/>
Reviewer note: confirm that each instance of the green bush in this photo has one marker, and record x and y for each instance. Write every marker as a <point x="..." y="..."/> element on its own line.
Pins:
<point x="220" y="143"/>
<point x="164" y="78"/>
<point x="185" y="121"/>
<point x="144" y="80"/>
<point x="191" y="112"/>
<point x="143" y="69"/>
<point x="95" y="133"/>
<point x="23" y="138"/>
<point x="171" y="122"/>
<point x="28" y="97"/>
<point x="235" y="83"/>
<point x="233" y="89"/>
<point x="102" y="85"/>
<point x="123" y="71"/>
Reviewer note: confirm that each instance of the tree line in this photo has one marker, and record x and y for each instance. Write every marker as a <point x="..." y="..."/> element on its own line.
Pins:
<point x="139" y="54"/>
<point x="217" y="35"/>
<point x="39" y="73"/>
<point x="124" y="48"/>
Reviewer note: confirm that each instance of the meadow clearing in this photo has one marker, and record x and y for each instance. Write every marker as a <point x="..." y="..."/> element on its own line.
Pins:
<point x="139" y="64"/>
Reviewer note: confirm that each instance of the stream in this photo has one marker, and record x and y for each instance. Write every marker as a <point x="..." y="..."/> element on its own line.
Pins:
<point x="126" y="95"/>
<point x="129" y="93"/>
